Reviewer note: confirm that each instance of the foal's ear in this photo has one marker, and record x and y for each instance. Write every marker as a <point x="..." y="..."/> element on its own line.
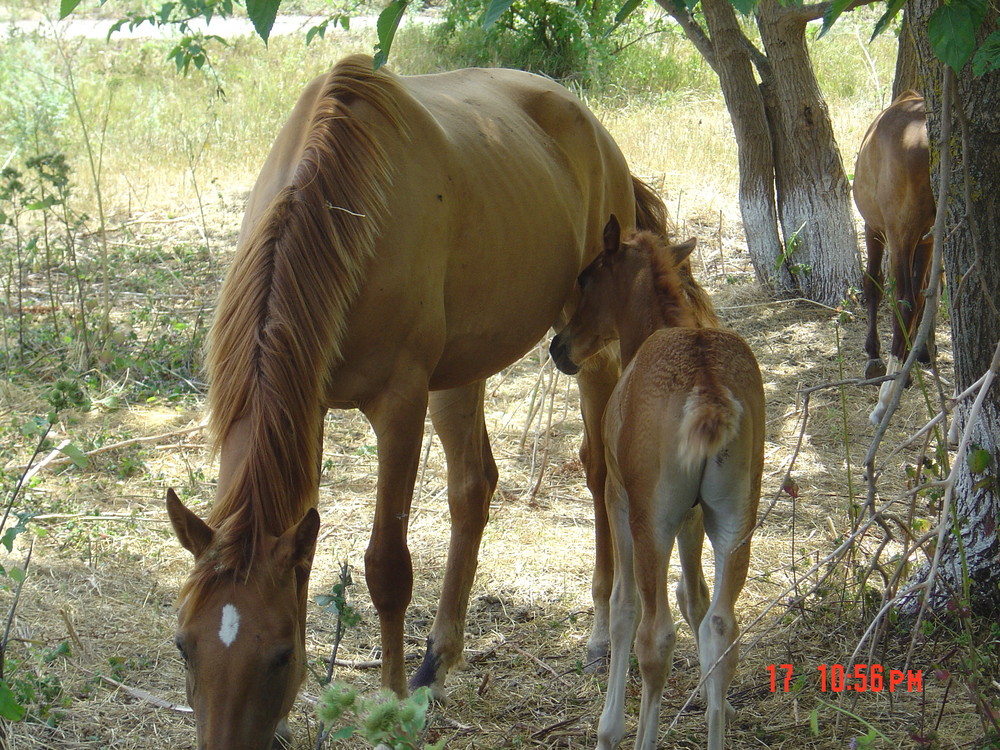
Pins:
<point x="194" y="534"/>
<point x="612" y="235"/>
<point x="297" y="545"/>
<point x="683" y="250"/>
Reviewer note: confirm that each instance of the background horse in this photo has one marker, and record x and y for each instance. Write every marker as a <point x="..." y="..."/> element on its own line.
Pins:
<point x="407" y="237"/>
<point x="684" y="435"/>
<point x="892" y="190"/>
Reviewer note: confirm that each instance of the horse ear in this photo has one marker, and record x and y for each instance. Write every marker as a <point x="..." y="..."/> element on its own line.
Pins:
<point x="194" y="534"/>
<point x="682" y="251"/>
<point x="612" y="235"/>
<point x="297" y="545"/>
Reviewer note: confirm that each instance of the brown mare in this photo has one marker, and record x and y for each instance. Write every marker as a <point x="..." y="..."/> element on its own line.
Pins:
<point x="892" y="189"/>
<point x="407" y="237"/>
<point x="684" y="440"/>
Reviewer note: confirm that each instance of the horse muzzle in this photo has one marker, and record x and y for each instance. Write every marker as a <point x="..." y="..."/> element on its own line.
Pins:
<point x="559" y="351"/>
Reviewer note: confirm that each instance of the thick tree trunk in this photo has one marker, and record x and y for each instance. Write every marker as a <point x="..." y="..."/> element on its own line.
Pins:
<point x="790" y="168"/>
<point x="972" y="269"/>
<point x="906" y="60"/>
<point x="753" y="141"/>
<point x="814" y="199"/>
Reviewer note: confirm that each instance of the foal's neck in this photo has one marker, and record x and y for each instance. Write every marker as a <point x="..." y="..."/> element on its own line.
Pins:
<point x="646" y="312"/>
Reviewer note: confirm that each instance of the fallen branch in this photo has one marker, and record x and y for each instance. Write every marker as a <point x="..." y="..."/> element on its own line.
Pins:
<point x="55" y="457"/>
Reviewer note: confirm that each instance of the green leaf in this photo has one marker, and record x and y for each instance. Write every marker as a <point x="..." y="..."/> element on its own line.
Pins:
<point x="388" y="22"/>
<point x="832" y="14"/>
<point x="74" y="454"/>
<point x="496" y="9"/>
<point x="17" y="575"/>
<point x="987" y="59"/>
<point x="744" y="6"/>
<point x="626" y="10"/>
<point x="262" y="13"/>
<point x="10" y="709"/>
<point x="814" y="722"/>
<point x="952" y="33"/>
<point x="66" y="7"/>
<point x="892" y="10"/>
<point x="343" y="733"/>
<point x="979" y="460"/>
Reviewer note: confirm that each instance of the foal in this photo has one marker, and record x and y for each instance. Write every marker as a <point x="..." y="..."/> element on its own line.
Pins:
<point x="684" y="437"/>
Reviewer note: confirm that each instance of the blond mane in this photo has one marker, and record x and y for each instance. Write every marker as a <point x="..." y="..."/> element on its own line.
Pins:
<point x="681" y="299"/>
<point x="281" y="314"/>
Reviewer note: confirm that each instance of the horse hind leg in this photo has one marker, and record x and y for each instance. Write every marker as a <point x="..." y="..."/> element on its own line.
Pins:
<point x="458" y="419"/>
<point x="693" y="596"/>
<point x="729" y="525"/>
<point x="871" y="284"/>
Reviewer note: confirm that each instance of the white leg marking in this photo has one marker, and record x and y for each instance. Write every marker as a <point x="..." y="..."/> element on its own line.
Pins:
<point x="230" y="626"/>
<point x="893" y="366"/>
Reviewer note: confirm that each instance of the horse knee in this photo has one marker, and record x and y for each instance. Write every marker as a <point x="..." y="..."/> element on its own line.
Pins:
<point x="389" y="575"/>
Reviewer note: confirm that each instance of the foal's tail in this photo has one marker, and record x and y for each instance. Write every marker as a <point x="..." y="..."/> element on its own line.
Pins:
<point x="711" y="420"/>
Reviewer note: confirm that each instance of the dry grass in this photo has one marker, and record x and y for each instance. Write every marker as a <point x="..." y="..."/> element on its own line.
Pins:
<point x="105" y="574"/>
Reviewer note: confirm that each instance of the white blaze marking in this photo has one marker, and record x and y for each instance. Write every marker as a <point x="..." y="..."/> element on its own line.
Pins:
<point x="230" y="626"/>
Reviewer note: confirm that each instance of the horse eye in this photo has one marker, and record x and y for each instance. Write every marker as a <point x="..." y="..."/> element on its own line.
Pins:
<point x="180" y="647"/>
<point x="281" y="659"/>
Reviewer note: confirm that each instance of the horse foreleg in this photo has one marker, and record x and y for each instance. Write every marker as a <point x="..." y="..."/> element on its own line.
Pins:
<point x="472" y="477"/>
<point x="871" y="285"/>
<point x="623" y="617"/>
<point x="596" y="381"/>
<point x="399" y="426"/>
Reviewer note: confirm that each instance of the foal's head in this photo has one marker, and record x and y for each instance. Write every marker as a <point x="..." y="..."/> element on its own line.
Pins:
<point x="241" y="634"/>
<point x="630" y="289"/>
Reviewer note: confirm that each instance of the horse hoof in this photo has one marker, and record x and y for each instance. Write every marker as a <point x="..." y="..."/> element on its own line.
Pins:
<point x="598" y="659"/>
<point x="875" y="368"/>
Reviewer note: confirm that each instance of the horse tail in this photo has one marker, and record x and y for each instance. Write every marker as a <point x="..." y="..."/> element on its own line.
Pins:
<point x="650" y="211"/>
<point x="710" y="421"/>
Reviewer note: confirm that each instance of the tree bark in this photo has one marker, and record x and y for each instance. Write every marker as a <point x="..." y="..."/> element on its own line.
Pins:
<point x="814" y="196"/>
<point x="791" y="172"/>
<point x="753" y="142"/>
<point x="972" y="269"/>
<point x="905" y="77"/>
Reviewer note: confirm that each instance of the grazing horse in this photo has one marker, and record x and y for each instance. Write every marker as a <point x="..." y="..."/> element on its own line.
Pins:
<point x="684" y="440"/>
<point x="892" y="189"/>
<point x="407" y="238"/>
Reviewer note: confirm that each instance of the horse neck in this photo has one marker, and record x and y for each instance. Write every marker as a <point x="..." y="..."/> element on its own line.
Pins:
<point x="646" y="311"/>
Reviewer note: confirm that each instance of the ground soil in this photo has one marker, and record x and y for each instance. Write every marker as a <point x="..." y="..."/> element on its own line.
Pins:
<point x="105" y="575"/>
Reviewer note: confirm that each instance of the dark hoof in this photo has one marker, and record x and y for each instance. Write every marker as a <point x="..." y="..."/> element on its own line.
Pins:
<point x="874" y="368"/>
<point x="598" y="660"/>
<point x="428" y="674"/>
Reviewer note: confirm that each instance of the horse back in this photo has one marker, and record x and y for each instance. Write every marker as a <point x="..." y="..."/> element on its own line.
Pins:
<point x="892" y="175"/>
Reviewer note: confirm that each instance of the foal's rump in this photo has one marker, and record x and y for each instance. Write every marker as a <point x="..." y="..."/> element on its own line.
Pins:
<point x="699" y="391"/>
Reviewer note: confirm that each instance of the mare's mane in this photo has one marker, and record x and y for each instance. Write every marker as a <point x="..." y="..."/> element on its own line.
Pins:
<point x="281" y="314"/>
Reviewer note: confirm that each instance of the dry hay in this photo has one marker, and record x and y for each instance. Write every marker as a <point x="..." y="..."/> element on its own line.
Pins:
<point x="105" y="575"/>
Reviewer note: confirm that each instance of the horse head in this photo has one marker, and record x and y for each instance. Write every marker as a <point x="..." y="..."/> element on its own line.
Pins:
<point x="242" y="633"/>
<point x="618" y="289"/>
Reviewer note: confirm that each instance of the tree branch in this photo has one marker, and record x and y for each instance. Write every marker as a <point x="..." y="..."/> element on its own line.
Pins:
<point x="692" y="30"/>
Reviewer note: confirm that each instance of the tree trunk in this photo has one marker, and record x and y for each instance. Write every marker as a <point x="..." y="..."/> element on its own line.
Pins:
<point x="814" y="196"/>
<point x="753" y="142"/>
<point x="906" y="60"/>
<point x="790" y="168"/>
<point x="972" y="269"/>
